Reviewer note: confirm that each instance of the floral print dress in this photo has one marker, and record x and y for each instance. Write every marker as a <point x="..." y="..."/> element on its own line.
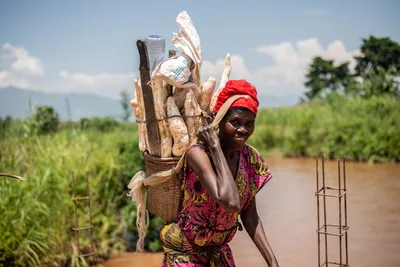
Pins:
<point x="203" y="229"/>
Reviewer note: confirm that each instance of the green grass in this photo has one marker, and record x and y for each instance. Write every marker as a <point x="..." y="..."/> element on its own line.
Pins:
<point x="37" y="214"/>
<point x="359" y="129"/>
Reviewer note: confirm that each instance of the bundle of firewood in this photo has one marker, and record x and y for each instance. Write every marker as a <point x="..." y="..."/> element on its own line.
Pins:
<point x="169" y="103"/>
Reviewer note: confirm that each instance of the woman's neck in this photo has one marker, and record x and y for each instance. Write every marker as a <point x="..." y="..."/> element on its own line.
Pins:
<point x="228" y="152"/>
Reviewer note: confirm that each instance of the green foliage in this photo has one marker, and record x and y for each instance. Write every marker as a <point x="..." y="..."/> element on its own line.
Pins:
<point x="153" y="234"/>
<point x="132" y="162"/>
<point x="376" y="82"/>
<point x="301" y="139"/>
<point x="323" y="77"/>
<point x="130" y="157"/>
<point x="103" y="125"/>
<point x="378" y="53"/>
<point x="4" y="126"/>
<point x="44" y="121"/>
<point x="359" y="129"/>
<point x="38" y="214"/>
<point x="12" y="128"/>
<point x="125" y="104"/>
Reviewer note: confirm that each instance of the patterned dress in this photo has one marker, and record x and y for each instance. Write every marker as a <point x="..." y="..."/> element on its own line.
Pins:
<point x="203" y="229"/>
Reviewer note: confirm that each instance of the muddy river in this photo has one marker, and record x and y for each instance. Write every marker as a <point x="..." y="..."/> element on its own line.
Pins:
<point x="288" y="209"/>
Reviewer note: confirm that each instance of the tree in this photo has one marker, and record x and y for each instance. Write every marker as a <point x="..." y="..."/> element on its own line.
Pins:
<point x="378" y="53"/>
<point x="125" y="103"/>
<point x="377" y="72"/>
<point x="378" y="82"/>
<point x="324" y="77"/>
<point x="44" y="121"/>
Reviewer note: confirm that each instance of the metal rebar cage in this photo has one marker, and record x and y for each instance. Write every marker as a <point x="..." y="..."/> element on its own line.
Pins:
<point x="325" y="230"/>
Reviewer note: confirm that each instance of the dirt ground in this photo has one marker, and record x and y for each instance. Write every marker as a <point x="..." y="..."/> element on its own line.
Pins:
<point x="132" y="259"/>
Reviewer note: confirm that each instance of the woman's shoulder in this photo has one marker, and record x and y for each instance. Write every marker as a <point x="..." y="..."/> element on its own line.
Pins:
<point x="259" y="165"/>
<point x="253" y="154"/>
<point x="251" y="149"/>
<point x="197" y="154"/>
<point x="196" y="147"/>
<point x="259" y="172"/>
<point x="199" y="146"/>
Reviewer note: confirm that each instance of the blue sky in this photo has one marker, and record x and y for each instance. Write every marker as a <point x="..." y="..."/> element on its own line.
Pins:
<point x="89" y="46"/>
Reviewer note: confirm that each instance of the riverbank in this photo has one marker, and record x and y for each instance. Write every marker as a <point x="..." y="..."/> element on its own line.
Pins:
<point x="133" y="259"/>
<point x="364" y="130"/>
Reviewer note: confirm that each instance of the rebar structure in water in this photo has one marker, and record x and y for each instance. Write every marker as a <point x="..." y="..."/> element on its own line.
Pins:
<point x="326" y="230"/>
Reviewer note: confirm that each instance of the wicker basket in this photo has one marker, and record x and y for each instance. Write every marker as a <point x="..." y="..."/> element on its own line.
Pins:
<point x="164" y="200"/>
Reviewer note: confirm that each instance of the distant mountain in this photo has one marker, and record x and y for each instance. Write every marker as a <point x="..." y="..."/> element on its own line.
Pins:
<point x="14" y="102"/>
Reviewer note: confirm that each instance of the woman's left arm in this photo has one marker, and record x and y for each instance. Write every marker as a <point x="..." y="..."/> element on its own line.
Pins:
<point x="254" y="228"/>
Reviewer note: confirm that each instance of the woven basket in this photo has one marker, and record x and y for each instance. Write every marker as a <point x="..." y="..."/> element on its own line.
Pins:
<point x="165" y="199"/>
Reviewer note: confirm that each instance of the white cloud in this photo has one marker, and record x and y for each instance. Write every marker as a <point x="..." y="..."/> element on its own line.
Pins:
<point x="18" y="68"/>
<point x="78" y="77"/>
<point x="17" y="65"/>
<point x="10" y="79"/>
<point x="285" y="75"/>
<point x="24" y="62"/>
<point x="103" y="84"/>
<point x="239" y="69"/>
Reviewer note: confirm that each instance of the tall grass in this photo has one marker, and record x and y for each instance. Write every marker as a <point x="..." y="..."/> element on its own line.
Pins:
<point x="37" y="214"/>
<point x="359" y="129"/>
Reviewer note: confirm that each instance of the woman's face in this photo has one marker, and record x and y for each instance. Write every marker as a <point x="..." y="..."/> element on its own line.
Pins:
<point x="236" y="127"/>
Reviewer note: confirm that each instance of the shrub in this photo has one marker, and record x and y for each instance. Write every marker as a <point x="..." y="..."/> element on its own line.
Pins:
<point x="103" y="125"/>
<point x="44" y="121"/>
<point x="4" y="126"/>
<point x="360" y="129"/>
<point x="38" y="214"/>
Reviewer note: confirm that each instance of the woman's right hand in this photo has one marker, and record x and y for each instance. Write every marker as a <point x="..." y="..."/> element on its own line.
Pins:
<point x="208" y="135"/>
<point x="218" y="181"/>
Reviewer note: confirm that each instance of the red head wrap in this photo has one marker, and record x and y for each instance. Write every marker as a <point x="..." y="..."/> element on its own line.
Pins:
<point x="238" y="87"/>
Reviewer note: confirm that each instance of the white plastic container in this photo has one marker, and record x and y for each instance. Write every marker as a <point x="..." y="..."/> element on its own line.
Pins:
<point x="155" y="49"/>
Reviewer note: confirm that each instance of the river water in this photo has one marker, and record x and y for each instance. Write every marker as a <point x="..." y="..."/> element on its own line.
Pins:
<point x="287" y="207"/>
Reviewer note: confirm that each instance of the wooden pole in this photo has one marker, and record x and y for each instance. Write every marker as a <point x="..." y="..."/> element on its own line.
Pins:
<point x="150" y="113"/>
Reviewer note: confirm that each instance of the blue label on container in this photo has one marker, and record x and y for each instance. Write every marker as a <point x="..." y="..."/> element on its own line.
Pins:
<point x="155" y="36"/>
<point x="181" y="68"/>
<point x="178" y="71"/>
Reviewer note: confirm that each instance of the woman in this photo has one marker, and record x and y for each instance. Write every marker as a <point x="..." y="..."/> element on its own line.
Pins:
<point x="222" y="176"/>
